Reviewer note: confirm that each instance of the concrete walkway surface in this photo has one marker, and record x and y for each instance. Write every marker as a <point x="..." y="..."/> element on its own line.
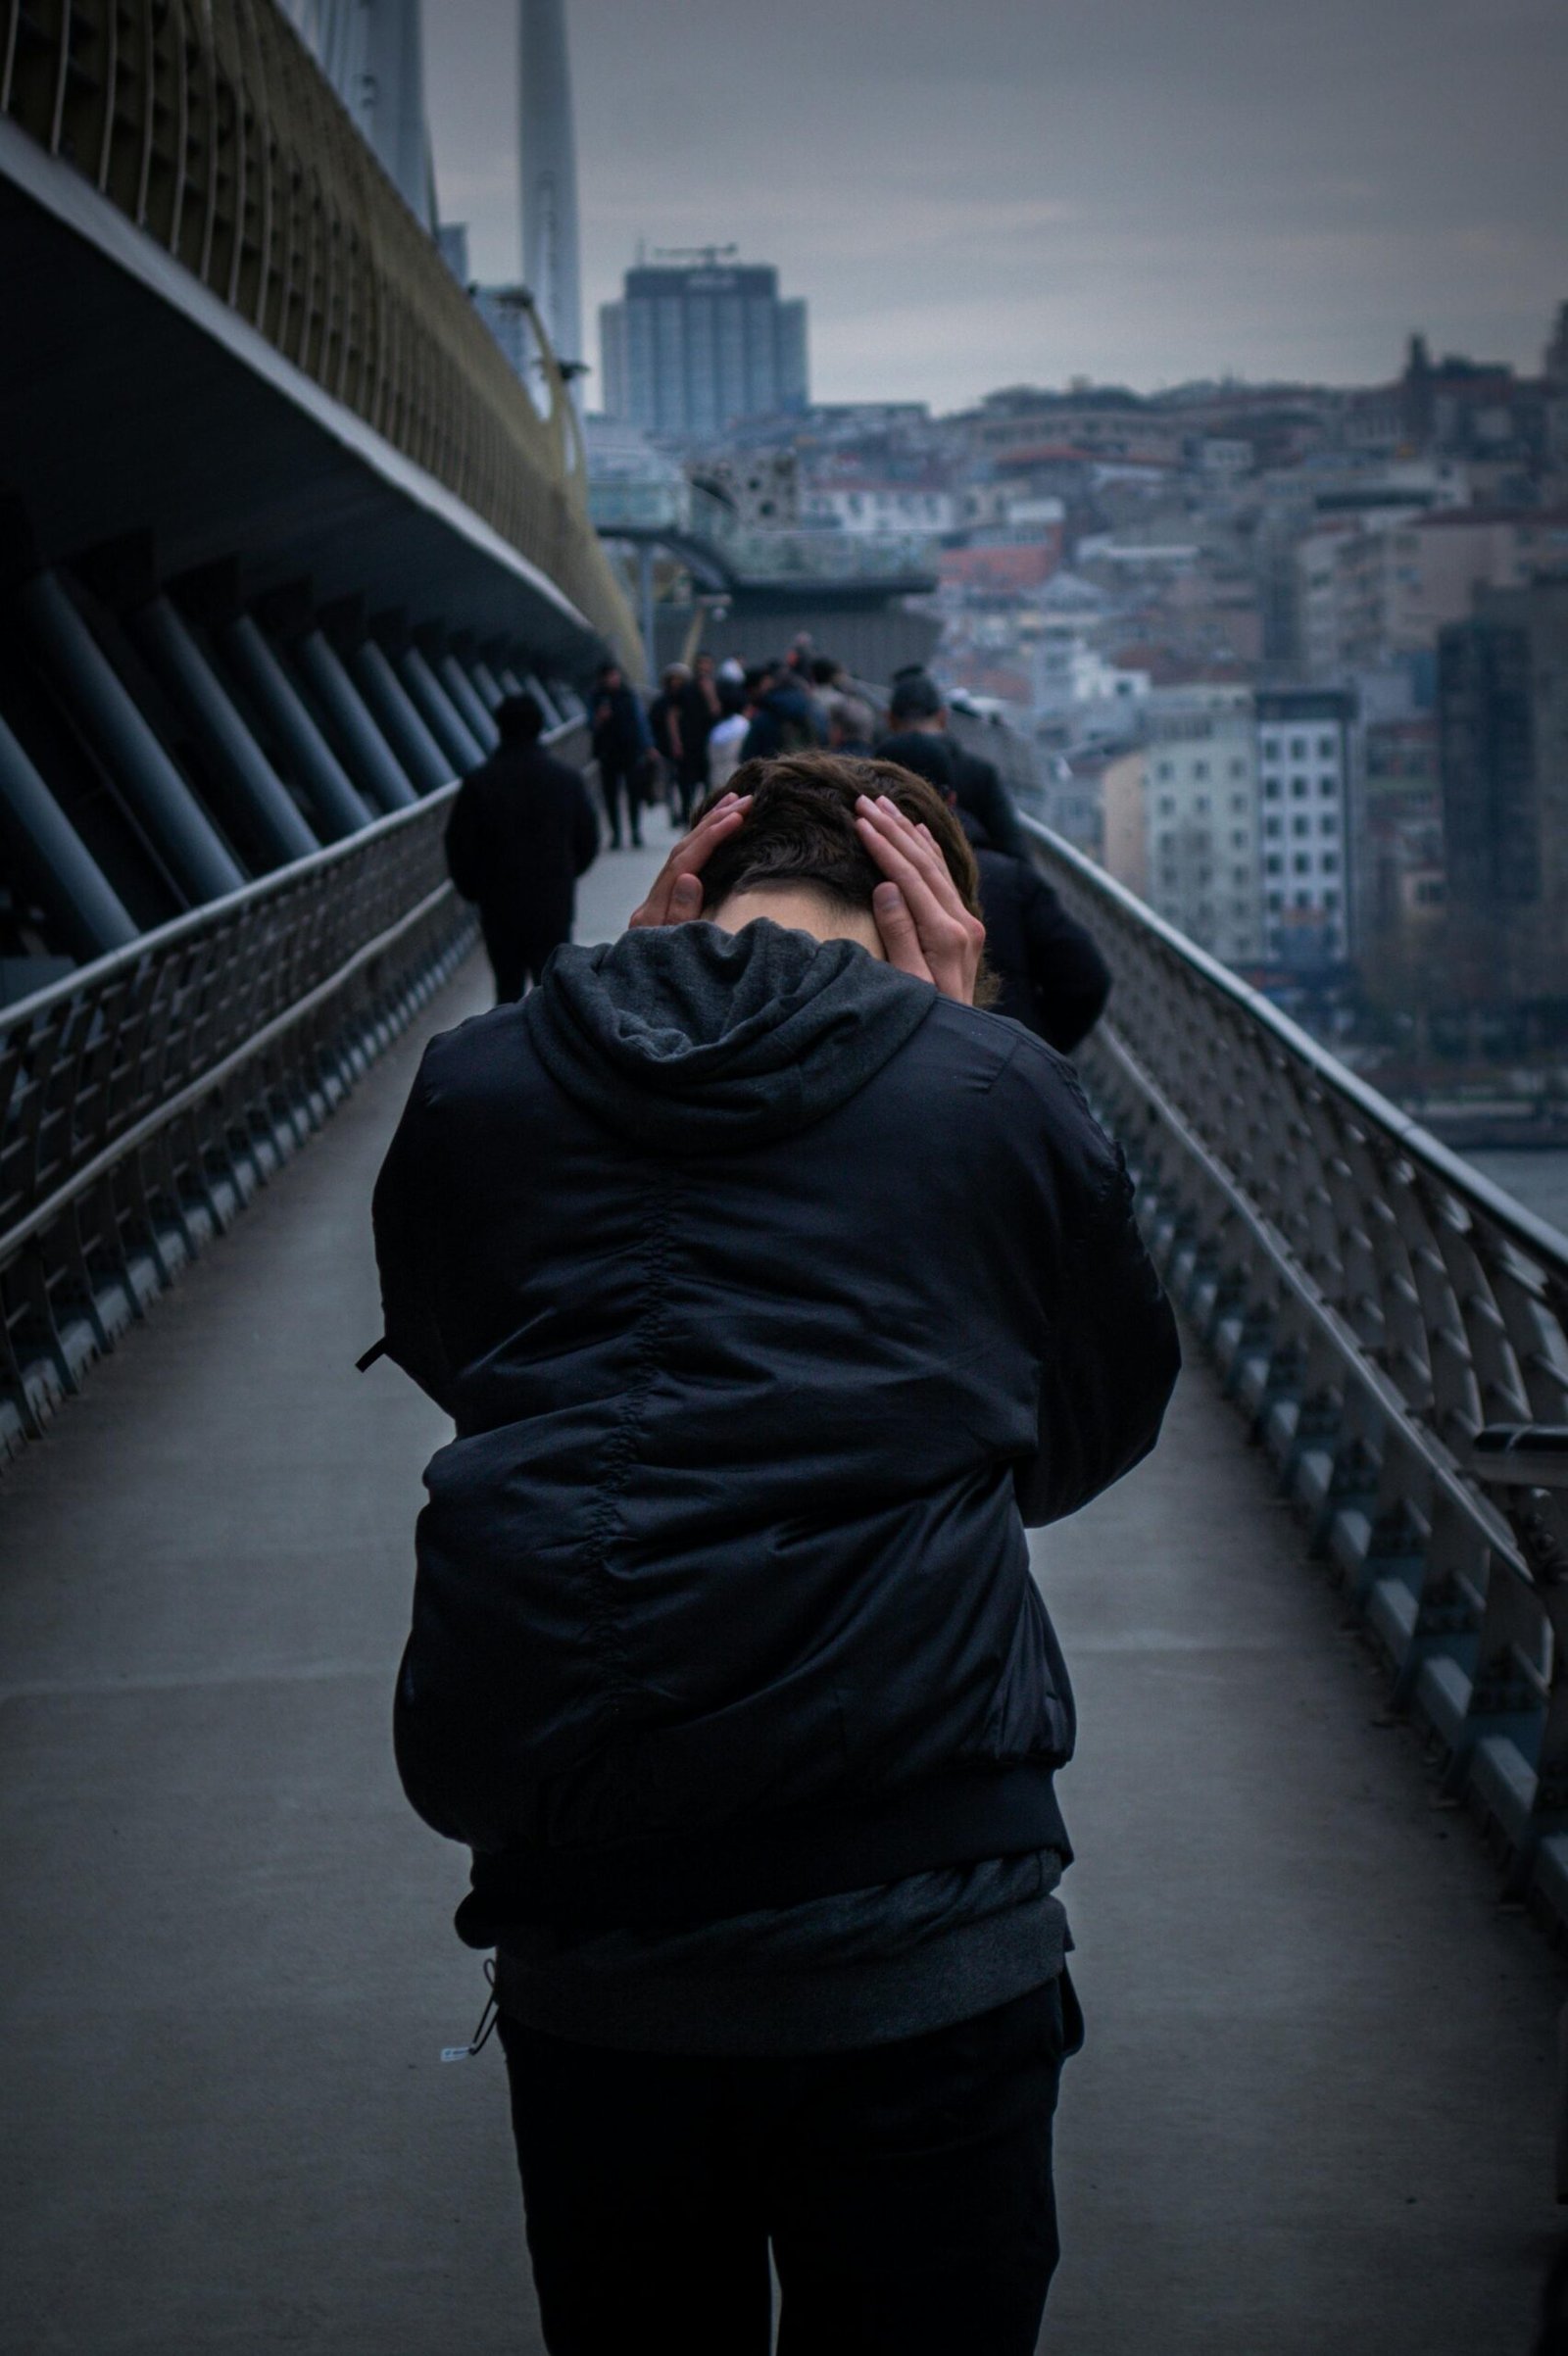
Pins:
<point x="1313" y="2113"/>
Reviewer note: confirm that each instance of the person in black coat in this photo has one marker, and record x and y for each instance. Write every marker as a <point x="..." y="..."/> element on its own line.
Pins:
<point x="916" y="712"/>
<point x="521" y="831"/>
<point x="1048" y="971"/>
<point x="773" y="1289"/>
<point x="622" y="743"/>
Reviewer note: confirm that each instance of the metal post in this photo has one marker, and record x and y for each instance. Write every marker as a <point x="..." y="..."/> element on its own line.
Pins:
<point x="378" y="769"/>
<point x="537" y="687"/>
<point x="489" y="686"/>
<point x="457" y="738"/>
<point x="265" y="808"/>
<point x="644" y="606"/>
<point x="185" y="838"/>
<point x="399" y="716"/>
<point x="61" y="873"/>
<point x="510" y="680"/>
<point x="336" y="807"/>
<point x="468" y="701"/>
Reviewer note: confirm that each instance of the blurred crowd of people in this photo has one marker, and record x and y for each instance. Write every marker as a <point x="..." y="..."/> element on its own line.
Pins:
<point x="524" y="829"/>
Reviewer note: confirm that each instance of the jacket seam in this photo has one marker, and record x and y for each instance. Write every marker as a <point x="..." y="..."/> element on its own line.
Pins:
<point x="621" y="1453"/>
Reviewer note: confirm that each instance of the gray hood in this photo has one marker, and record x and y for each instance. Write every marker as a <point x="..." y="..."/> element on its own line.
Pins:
<point x="690" y="1040"/>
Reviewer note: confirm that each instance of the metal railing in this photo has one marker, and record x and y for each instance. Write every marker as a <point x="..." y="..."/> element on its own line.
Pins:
<point x="1371" y="1302"/>
<point x="144" y="1099"/>
<point x="208" y="123"/>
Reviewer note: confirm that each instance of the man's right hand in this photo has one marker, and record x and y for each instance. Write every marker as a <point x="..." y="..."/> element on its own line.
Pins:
<point x="677" y="894"/>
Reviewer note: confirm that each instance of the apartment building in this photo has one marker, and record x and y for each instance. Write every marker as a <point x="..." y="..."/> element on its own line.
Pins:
<point x="1201" y="807"/>
<point x="1303" y="792"/>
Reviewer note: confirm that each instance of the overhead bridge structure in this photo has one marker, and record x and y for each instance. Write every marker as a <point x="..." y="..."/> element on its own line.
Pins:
<point x="279" y="532"/>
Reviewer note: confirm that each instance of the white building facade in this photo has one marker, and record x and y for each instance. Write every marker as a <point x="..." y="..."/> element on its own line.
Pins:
<point x="1200" y="807"/>
<point x="1304" y="790"/>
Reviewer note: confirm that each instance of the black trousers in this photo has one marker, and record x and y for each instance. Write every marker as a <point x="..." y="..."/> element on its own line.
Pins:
<point x="906" y="2190"/>
<point x="517" y="957"/>
<point x="621" y="780"/>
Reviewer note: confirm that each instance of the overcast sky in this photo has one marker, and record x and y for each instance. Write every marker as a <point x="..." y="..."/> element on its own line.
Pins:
<point x="973" y="193"/>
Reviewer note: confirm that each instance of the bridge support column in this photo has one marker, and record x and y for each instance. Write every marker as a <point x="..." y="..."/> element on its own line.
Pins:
<point x="60" y="871"/>
<point x="268" y="811"/>
<point x="338" y="810"/>
<point x="379" y="770"/>
<point x="489" y="686"/>
<point x="468" y="701"/>
<point x="446" y="722"/>
<point x="400" y="718"/>
<point x="196" y="855"/>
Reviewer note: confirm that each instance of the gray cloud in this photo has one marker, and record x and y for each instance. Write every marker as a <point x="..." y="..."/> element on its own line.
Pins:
<point x="970" y="193"/>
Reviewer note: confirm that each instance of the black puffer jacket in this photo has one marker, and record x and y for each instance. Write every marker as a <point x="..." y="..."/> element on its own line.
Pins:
<point x="771" y="1294"/>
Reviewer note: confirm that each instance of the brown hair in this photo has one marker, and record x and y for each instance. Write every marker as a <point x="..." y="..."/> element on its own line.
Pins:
<point x="800" y="830"/>
<point x="800" y="833"/>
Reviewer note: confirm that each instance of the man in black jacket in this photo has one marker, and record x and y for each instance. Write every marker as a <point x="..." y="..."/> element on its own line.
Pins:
<point x="773" y="1289"/>
<point x="916" y="712"/>
<point x="1047" y="968"/>
<point x="521" y="831"/>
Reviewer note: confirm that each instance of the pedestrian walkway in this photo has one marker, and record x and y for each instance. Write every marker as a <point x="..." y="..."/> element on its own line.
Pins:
<point x="1314" y="2109"/>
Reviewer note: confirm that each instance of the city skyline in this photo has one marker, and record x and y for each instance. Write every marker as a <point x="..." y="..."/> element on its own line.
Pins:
<point x="1137" y="199"/>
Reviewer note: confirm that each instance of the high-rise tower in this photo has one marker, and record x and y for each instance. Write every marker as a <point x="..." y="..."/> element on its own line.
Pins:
<point x="550" y="263"/>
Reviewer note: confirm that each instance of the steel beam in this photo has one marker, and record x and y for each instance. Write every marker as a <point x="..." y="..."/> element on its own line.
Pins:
<point x="60" y="872"/>
<point x="468" y="701"/>
<point x="462" y="746"/>
<point x="336" y="807"/>
<point x="185" y="838"/>
<point x="268" y="807"/>
<point x="379" y="770"/>
<point x="400" y="718"/>
<point x="489" y="686"/>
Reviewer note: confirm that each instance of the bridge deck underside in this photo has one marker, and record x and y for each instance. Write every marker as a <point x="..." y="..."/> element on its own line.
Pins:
<point x="1314" y="2106"/>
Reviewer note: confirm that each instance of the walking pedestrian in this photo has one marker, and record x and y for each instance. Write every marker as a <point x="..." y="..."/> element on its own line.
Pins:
<point x="521" y="832"/>
<point x="621" y="742"/>
<point x="700" y="714"/>
<point x="773" y="1289"/>
<point x="916" y="709"/>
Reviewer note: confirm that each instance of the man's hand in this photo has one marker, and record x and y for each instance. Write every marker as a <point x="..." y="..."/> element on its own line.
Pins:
<point x="677" y="894"/>
<point x="925" y="927"/>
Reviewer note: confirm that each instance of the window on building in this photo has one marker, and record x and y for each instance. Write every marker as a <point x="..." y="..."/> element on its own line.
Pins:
<point x="1237" y="768"/>
<point x="1238" y="802"/>
<point x="1328" y="824"/>
<point x="1201" y="805"/>
<point x="1301" y="864"/>
<point x="1199" y="769"/>
<point x="1331" y="903"/>
<point x="1297" y="789"/>
<point x="1239" y="838"/>
<point x="1276" y="899"/>
<point x="1326" y="749"/>
<point x="1240" y="875"/>
<point x="1272" y="789"/>
<point x="1327" y="787"/>
<point x="1271" y="744"/>
<point x="1167" y="806"/>
<point x="1273" y="828"/>
<point x="1297" y="748"/>
<point x="1163" y="768"/>
<point x="1300" y="826"/>
<point x="1330" y="863"/>
<point x="1274" y="865"/>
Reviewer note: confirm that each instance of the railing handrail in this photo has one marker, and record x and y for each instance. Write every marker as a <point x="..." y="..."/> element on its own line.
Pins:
<point x="1536" y="1235"/>
<point x="214" y="913"/>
